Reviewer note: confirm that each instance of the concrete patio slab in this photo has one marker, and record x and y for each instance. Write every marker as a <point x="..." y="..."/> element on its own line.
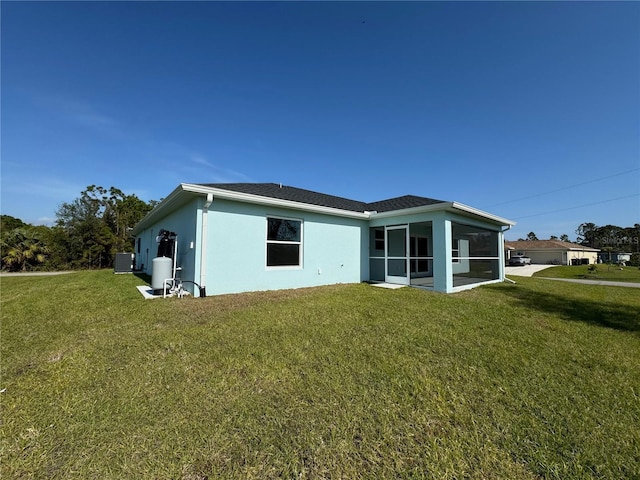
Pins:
<point x="390" y="286"/>
<point x="147" y="292"/>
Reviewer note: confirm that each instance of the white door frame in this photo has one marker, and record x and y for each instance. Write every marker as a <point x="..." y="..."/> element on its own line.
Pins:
<point x="400" y="280"/>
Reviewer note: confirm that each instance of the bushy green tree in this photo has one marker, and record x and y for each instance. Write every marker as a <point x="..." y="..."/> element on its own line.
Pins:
<point x="121" y="213"/>
<point x="97" y="225"/>
<point x="586" y="234"/>
<point x="88" y="232"/>
<point x="9" y="223"/>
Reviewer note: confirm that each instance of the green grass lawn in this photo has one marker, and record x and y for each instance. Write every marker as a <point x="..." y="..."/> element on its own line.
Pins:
<point x="602" y="272"/>
<point x="527" y="381"/>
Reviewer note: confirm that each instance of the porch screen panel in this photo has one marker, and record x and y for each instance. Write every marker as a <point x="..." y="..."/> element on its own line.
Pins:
<point x="376" y="242"/>
<point x="376" y="269"/>
<point x="397" y="243"/>
<point x="475" y="254"/>
<point x="397" y="267"/>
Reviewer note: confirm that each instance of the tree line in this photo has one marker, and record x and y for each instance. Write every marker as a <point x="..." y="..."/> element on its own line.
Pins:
<point x="531" y="236"/>
<point x="619" y="239"/>
<point x="87" y="233"/>
<point x="608" y="238"/>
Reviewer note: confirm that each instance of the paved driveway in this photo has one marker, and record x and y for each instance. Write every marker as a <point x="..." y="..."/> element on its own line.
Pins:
<point x="597" y="282"/>
<point x="525" y="270"/>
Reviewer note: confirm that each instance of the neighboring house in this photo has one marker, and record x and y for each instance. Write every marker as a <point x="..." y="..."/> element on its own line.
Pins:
<point x="613" y="257"/>
<point x="554" y="252"/>
<point x="240" y="237"/>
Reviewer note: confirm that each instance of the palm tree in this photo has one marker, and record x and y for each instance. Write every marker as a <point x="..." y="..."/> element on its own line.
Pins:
<point x="23" y="250"/>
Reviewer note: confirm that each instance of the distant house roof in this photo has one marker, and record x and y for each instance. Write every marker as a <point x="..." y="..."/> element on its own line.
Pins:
<point x="294" y="194"/>
<point x="547" y="245"/>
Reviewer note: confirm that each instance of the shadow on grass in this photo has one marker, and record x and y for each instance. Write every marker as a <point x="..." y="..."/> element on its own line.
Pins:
<point x="606" y="314"/>
<point x="143" y="276"/>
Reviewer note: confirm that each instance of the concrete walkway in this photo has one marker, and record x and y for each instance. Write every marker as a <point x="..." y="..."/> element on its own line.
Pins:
<point x="31" y="274"/>
<point x="525" y="270"/>
<point x="595" y="282"/>
<point x="529" y="270"/>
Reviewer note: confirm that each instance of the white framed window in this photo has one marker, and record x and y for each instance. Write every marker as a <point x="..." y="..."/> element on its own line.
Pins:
<point x="284" y="242"/>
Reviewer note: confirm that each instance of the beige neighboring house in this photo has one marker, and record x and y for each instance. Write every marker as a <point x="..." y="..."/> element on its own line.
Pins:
<point x="553" y="252"/>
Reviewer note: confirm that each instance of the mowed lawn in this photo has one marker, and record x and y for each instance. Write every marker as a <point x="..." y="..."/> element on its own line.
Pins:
<point x="602" y="272"/>
<point x="528" y="381"/>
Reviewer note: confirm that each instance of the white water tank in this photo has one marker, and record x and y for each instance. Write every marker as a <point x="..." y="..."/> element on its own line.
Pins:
<point x="161" y="269"/>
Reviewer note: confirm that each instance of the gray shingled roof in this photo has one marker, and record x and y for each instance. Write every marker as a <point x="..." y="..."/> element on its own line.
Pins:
<point x="400" y="203"/>
<point x="273" y="190"/>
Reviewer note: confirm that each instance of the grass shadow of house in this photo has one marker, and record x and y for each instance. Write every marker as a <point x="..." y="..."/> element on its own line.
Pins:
<point x="143" y="276"/>
<point x="603" y="313"/>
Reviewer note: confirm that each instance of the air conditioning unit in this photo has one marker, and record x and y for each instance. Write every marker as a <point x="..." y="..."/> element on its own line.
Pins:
<point x="123" y="263"/>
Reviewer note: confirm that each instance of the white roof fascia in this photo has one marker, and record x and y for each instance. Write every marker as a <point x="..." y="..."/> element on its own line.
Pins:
<point x="447" y="206"/>
<point x="413" y="210"/>
<point x="188" y="188"/>
<point x="176" y="195"/>
<point x="169" y="200"/>
<point x="270" y="201"/>
<point x="481" y="213"/>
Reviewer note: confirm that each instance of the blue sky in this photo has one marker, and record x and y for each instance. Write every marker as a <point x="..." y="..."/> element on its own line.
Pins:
<point x="530" y="111"/>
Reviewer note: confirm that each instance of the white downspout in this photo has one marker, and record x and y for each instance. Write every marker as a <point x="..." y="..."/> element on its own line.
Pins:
<point x="503" y="274"/>
<point x="203" y="240"/>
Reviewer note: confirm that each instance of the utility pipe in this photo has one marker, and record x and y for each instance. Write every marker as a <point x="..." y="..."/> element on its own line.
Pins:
<point x="203" y="241"/>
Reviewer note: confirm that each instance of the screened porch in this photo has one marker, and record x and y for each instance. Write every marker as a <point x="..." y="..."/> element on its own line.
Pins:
<point x="404" y="254"/>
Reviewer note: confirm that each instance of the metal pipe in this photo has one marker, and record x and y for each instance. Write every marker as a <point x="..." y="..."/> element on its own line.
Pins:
<point x="203" y="241"/>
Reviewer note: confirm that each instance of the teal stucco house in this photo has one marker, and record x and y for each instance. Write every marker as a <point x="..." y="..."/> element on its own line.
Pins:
<point x="241" y="237"/>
